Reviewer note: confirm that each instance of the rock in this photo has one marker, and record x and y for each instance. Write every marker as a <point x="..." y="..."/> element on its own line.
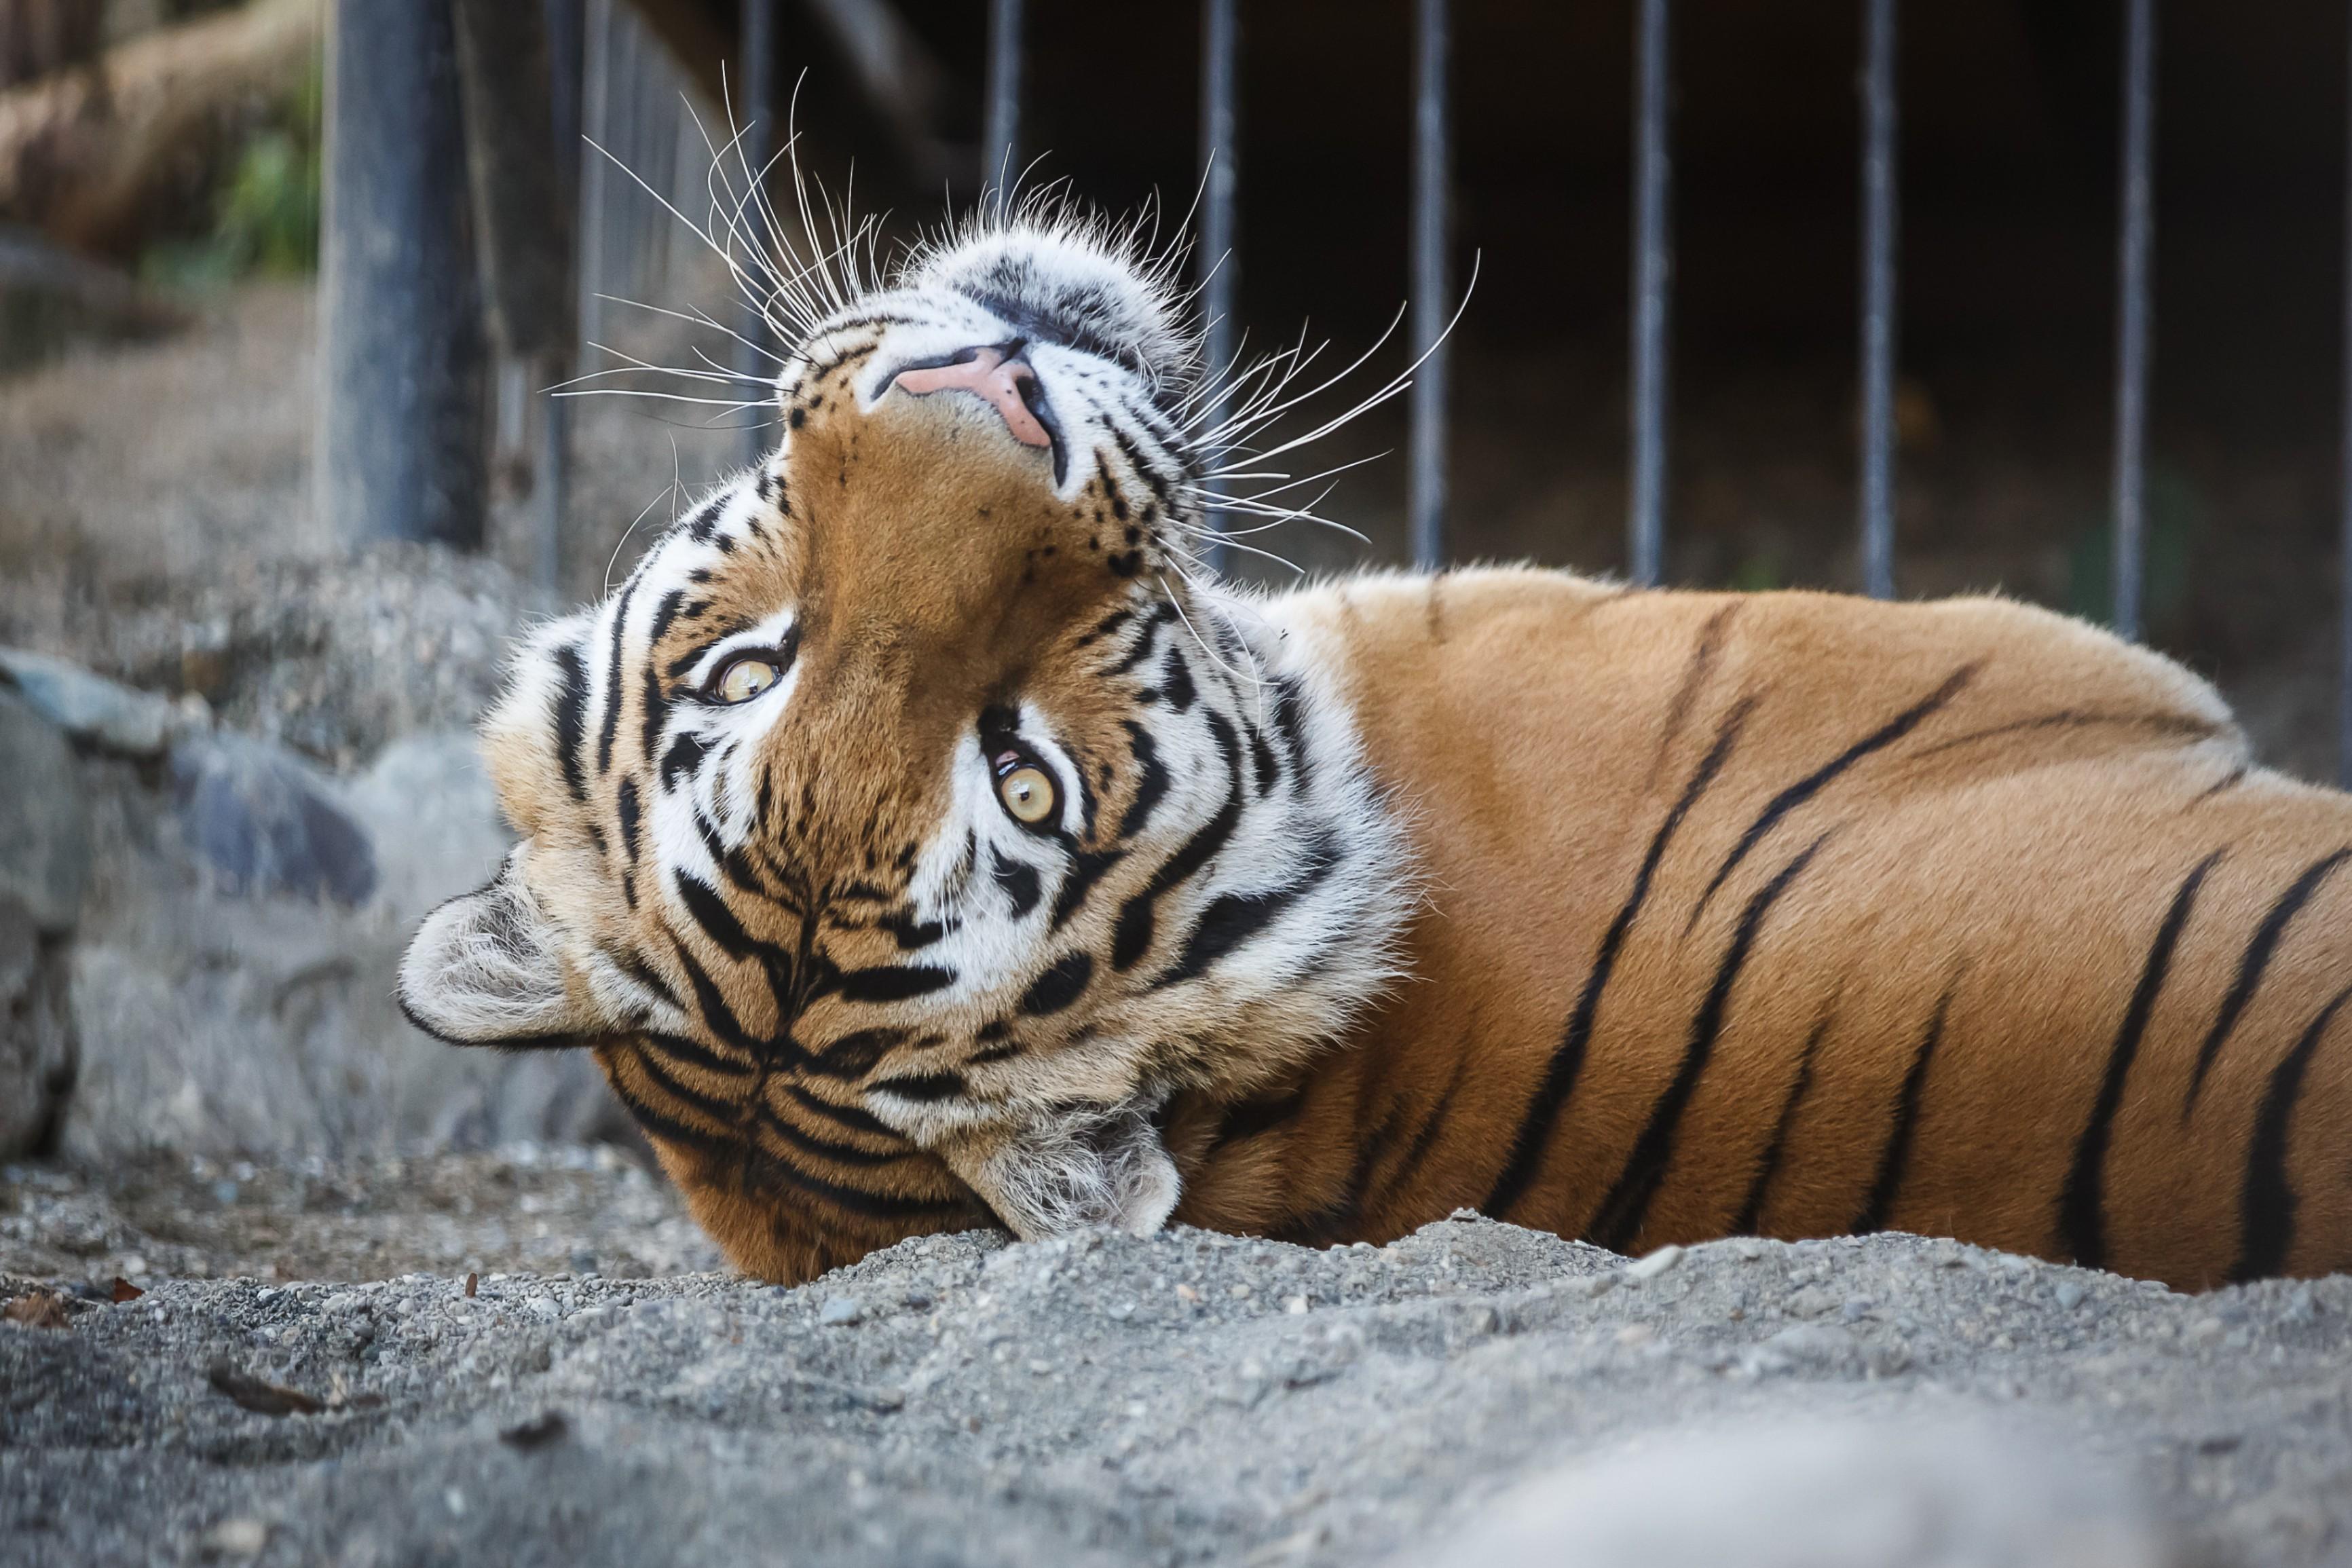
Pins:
<point x="36" y="1041"/>
<point x="89" y="706"/>
<point x="264" y="821"/>
<point x="44" y="830"/>
<point x="1850" y="1494"/>
<point x="840" y="1310"/>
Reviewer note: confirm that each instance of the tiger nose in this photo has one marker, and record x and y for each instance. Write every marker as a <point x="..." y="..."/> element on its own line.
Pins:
<point x="1005" y="381"/>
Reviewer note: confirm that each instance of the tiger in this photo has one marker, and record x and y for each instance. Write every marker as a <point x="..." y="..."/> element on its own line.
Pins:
<point x="922" y="838"/>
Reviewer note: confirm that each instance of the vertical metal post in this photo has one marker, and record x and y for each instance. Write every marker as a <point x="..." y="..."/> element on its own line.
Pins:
<point x="2135" y="286"/>
<point x="1432" y="175"/>
<point x="552" y="476"/>
<point x="759" y="144"/>
<point x="402" y="451"/>
<point x="1654" y="268"/>
<point x="2344" y="674"/>
<point x="596" y="132"/>
<point x="1000" y="138"/>
<point x="1219" y="255"/>
<point x="1879" y="229"/>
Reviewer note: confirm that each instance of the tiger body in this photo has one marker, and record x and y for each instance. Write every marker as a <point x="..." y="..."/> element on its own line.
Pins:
<point x="917" y="842"/>
<point x="1800" y="915"/>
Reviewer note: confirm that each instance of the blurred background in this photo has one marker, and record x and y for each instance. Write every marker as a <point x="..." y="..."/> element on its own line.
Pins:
<point x="265" y="525"/>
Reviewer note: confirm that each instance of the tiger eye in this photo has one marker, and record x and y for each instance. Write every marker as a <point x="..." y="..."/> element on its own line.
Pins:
<point x="1028" y="793"/>
<point x="744" y="678"/>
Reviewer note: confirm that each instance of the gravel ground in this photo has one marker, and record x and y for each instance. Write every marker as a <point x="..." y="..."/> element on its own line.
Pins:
<point x="1187" y="1398"/>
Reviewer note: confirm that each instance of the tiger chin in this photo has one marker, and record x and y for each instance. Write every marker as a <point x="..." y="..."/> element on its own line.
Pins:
<point x="920" y="838"/>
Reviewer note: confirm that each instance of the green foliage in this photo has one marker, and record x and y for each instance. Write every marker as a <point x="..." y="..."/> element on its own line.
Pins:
<point x="265" y="210"/>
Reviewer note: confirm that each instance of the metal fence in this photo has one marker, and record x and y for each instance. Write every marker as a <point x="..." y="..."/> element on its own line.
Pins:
<point x="633" y="115"/>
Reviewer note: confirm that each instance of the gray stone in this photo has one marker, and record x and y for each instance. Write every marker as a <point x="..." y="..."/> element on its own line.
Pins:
<point x="44" y="831"/>
<point x="36" y="1044"/>
<point x="89" y="707"/>
<point x="265" y="822"/>
<point x="1821" y="1494"/>
<point x="230" y="998"/>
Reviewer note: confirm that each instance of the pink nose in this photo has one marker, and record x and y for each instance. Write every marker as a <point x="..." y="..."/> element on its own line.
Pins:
<point x="989" y="373"/>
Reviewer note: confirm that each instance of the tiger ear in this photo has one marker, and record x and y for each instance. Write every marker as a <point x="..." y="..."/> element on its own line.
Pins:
<point x="486" y="969"/>
<point x="1072" y="1168"/>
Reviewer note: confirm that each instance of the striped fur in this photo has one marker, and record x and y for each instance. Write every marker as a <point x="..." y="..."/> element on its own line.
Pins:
<point x="1645" y="917"/>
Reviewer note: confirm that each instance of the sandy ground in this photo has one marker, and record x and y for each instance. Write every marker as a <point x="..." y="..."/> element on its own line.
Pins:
<point x="1189" y="1398"/>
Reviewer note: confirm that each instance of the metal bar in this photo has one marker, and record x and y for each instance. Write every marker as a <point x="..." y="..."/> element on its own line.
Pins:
<point x="759" y="143"/>
<point x="596" y="132"/>
<point x="1000" y="140"/>
<point x="1219" y="257"/>
<point x="1653" y="265"/>
<point x="1879" y="324"/>
<point x="551" y="477"/>
<point x="2135" y="286"/>
<point x="403" y="356"/>
<point x="1432" y="172"/>
<point x="2343" y="675"/>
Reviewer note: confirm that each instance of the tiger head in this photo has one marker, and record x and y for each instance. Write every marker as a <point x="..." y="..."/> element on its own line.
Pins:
<point x="917" y="820"/>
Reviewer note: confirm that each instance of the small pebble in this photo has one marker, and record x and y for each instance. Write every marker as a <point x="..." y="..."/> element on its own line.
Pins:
<point x="1655" y="1264"/>
<point x="236" y="1538"/>
<point x="839" y="1310"/>
<point x="1296" y="1306"/>
<point x="2068" y="1294"/>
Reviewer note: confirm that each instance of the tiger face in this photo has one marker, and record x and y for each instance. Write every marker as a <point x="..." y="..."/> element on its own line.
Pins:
<point x="915" y="820"/>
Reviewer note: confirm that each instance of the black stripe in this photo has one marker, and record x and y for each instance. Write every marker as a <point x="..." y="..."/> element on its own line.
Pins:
<point x="1140" y="649"/>
<point x="726" y="1115"/>
<point x="695" y="1054"/>
<point x="710" y="912"/>
<point x="1150" y="781"/>
<point x="926" y="1086"/>
<point x="1290" y="722"/>
<point x="1060" y="985"/>
<point x="1894" y="1163"/>
<point x="571" y="718"/>
<point x="1617" y="1223"/>
<point x="1262" y="758"/>
<point x="684" y="755"/>
<point x="1176" y="680"/>
<point x="854" y="1055"/>
<point x="1019" y="883"/>
<point x="1695" y="676"/>
<point x="2082" y="1203"/>
<point x="660" y="1124"/>
<point x="1426" y="1139"/>
<point x="1751" y="1212"/>
<point x="1087" y="868"/>
<point x="611" y="724"/>
<point x="1132" y="938"/>
<point x="2253" y="962"/>
<point x="2267" y="1201"/>
<point x="1232" y="919"/>
<point x="826" y="1148"/>
<point x="1535" y="1124"/>
<point x="1804" y="789"/>
<point x="893" y="982"/>
<point x="1252" y="1117"/>
<point x="909" y="933"/>
<point x="651" y="696"/>
<point x="629" y="812"/>
<point x="720" y="1019"/>
<point x="848" y="1116"/>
